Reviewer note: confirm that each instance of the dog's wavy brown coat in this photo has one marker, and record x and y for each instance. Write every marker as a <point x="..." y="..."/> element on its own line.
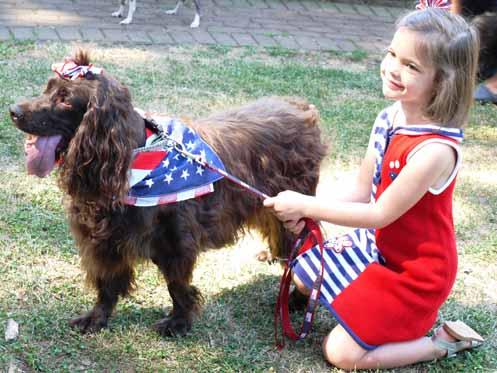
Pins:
<point x="273" y="144"/>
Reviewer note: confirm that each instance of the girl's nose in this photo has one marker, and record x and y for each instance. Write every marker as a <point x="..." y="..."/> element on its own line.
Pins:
<point x="393" y="68"/>
<point x="397" y="65"/>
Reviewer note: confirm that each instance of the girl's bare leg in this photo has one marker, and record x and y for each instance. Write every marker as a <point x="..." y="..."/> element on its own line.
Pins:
<point x="342" y="351"/>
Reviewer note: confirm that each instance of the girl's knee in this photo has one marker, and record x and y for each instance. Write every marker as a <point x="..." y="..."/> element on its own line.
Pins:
<point x="340" y="350"/>
<point x="300" y="285"/>
<point x="337" y="356"/>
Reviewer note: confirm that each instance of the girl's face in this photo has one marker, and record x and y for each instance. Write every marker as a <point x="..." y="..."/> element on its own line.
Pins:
<point x="405" y="76"/>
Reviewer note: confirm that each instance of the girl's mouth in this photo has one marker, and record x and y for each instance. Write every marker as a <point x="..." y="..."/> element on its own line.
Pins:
<point x="394" y="85"/>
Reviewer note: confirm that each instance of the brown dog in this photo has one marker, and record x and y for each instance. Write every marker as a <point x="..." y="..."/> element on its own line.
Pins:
<point x="89" y="127"/>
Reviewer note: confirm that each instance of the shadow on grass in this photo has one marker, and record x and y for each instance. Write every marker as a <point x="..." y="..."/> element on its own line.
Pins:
<point x="233" y="333"/>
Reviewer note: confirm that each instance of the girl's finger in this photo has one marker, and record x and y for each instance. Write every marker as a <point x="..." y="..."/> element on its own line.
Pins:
<point x="268" y="202"/>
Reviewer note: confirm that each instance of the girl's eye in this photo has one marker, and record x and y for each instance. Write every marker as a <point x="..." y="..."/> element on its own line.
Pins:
<point x="390" y="53"/>
<point x="412" y="67"/>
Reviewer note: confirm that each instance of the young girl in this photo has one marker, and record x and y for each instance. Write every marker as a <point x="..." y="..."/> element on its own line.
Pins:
<point x="384" y="283"/>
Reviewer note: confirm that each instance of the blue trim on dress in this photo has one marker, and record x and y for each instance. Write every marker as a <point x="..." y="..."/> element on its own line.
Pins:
<point x="346" y="327"/>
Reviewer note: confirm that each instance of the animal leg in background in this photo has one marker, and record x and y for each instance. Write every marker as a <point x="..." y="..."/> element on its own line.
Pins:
<point x="120" y="12"/>
<point x="196" y="19"/>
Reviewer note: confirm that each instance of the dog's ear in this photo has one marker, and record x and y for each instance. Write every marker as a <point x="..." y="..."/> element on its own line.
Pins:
<point x="96" y="164"/>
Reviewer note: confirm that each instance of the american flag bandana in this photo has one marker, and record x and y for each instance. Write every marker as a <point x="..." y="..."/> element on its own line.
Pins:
<point x="69" y="70"/>
<point x="423" y="4"/>
<point x="160" y="174"/>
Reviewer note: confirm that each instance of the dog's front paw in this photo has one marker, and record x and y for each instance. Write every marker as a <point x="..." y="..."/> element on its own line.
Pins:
<point x="173" y="326"/>
<point x="90" y="322"/>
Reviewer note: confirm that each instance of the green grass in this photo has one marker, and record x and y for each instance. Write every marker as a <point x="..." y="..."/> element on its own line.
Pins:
<point x="41" y="282"/>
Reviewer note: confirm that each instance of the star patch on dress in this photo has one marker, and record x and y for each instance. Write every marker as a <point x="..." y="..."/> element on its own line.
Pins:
<point x="339" y="244"/>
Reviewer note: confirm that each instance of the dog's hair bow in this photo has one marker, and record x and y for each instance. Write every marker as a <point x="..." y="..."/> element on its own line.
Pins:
<point x="443" y="4"/>
<point x="70" y="70"/>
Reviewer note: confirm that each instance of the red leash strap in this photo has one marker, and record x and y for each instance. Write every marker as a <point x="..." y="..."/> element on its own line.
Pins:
<point x="309" y="237"/>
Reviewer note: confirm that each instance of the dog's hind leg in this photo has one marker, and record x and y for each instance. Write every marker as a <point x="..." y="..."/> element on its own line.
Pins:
<point x="280" y="243"/>
<point x="108" y="290"/>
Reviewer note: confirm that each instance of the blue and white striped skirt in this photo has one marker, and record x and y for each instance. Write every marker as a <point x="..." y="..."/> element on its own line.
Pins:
<point x="345" y="258"/>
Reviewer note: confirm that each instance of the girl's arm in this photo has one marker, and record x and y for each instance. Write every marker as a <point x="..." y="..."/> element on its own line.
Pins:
<point x="427" y="167"/>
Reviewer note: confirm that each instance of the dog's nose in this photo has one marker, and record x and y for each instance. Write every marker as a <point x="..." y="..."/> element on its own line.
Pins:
<point x="15" y="112"/>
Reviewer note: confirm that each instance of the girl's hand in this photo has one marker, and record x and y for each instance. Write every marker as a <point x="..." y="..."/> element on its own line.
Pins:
<point x="289" y="207"/>
<point x="294" y="226"/>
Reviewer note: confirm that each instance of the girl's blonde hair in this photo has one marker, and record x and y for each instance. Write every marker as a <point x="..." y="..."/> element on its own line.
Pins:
<point x="451" y="45"/>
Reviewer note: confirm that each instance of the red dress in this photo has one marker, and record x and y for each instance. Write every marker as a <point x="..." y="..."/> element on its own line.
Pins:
<point x="394" y="297"/>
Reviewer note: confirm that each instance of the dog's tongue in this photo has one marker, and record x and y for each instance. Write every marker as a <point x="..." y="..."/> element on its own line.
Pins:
<point x="40" y="154"/>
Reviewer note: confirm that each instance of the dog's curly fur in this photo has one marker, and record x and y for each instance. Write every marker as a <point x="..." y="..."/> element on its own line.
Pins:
<point x="273" y="144"/>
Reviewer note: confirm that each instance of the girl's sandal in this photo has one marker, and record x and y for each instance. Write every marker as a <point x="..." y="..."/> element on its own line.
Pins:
<point x="466" y="337"/>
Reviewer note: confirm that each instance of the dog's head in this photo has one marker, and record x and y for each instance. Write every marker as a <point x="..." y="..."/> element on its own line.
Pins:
<point x="81" y="120"/>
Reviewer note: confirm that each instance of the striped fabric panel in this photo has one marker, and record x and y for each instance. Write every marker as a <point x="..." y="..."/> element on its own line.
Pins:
<point x="341" y="268"/>
<point x="456" y="134"/>
<point x="380" y="137"/>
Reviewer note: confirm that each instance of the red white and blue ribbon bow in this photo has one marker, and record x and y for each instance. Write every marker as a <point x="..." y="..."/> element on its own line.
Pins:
<point x="161" y="175"/>
<point x="423" y="4"/>
<point x="72" y="71"/>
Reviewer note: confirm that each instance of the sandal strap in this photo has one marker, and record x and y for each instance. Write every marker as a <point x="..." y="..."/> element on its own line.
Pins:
<point x="454" y="347"/>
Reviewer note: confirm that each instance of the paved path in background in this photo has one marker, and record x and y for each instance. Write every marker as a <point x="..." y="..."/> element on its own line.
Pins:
<point x="294" y="24"/>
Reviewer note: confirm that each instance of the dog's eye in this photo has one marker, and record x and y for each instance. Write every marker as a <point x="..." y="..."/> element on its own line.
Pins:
<point x="62" y="92"/>
<point x="61" y="100"/>
<point x="64" y="105"/>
